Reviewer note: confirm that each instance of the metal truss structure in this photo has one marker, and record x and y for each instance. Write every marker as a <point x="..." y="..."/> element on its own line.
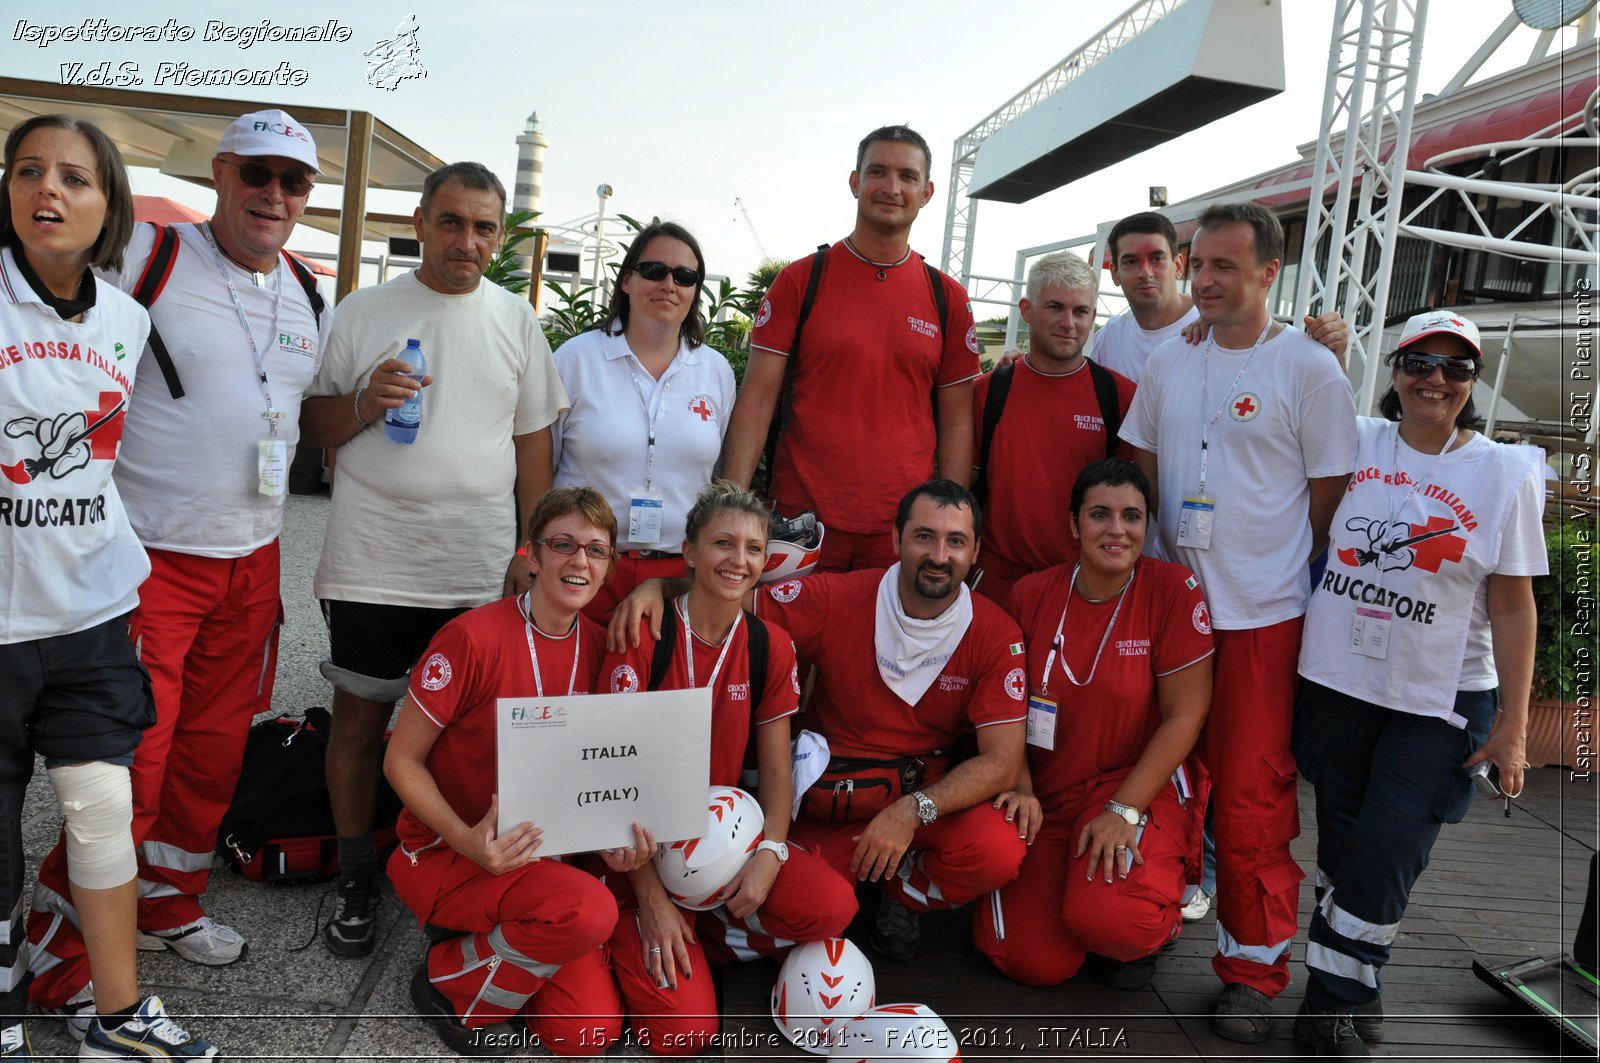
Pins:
<point x="961" y="212"/>
<point x="1371" y="92"/>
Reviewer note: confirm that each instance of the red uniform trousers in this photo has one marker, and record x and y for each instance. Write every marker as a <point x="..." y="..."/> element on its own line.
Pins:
<point x="808" y="902"/>
<point x="1245" y="747"/>
<point x="518" y="929"/>
<point x="953" y="860"/>
<point x="627" y="572"/>
<point x="206" y="629"/>
<point x="845" y="551"/>
<point x="998" y="577"/>
<point x="1040" y="928"/>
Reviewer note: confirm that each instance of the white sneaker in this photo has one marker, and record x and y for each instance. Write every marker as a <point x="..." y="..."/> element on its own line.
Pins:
<point x="77" y="1012"/>
<point x="202" y="941"/>
<point x="1196" y="903"/>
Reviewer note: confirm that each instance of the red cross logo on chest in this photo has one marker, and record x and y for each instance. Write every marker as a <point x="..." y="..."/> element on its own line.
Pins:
<point x="1245" y="406"/>
<point x="104" y="441"/>
<point x="702" y="408"/>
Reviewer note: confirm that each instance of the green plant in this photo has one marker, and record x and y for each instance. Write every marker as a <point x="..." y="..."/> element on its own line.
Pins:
<point x="576" y="310"/>
<point x="504" y="268"/>
<point x="1564" y="656"/>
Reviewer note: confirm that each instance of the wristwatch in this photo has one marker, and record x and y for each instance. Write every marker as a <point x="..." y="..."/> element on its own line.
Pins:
<point x="927" y="811"/>
<point x="778" y="849"/>
<point x="1129" y="814"/>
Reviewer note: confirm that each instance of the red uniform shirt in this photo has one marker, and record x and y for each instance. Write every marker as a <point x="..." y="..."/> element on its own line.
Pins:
<point x="1051" y="428"/>
<point x="1104" y="727"/>
<point x="731" y="717"/>
<point x="831" y="616"/>
<point x="474" y="660"/>
<point x="871" y="355"/>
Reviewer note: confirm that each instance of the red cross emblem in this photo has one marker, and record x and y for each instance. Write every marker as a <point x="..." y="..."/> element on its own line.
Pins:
<point x="1431" y="553"/>
<point x="701" y="407"/>
<point x="436" y="672"/>
<point x="1246" y="408"/>
<point x="104" y="441"/>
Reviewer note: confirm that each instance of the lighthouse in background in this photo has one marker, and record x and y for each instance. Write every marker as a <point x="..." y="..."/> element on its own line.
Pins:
<point x="530" y="166"/>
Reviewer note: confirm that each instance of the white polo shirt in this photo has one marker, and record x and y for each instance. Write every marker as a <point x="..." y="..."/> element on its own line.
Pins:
<point x="603" y="441"/>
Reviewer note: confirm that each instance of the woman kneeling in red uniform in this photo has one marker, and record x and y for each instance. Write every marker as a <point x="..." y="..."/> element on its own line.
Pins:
<point x="522" y="935"/>
<point x="784" y="894"/>
<point x="1113" y="710"/>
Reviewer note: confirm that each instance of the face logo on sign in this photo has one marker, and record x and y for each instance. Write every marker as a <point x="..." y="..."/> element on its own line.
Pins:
<point x="1016" y="684"/>
<point x="624" y="680"/>
<point x="1202" y="619"/>
<point x="1245" y="407"/>
<point x="765" y="313"/>
<point x="435" y="672"/>
<point x="701" y="407"/>
<point x="787" y="591"/>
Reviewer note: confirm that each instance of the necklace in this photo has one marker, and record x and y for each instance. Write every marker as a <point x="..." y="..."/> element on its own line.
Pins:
<point x="883" y="267"/>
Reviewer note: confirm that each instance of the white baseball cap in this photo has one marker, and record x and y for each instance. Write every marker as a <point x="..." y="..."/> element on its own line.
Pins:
<point x="271" y="132"/>
<point x="1435" y="322"/>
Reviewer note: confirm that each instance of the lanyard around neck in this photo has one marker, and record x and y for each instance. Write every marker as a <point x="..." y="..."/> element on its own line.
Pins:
<point x="1056" y="649"/>
<point x="244" y="323"/>
<point x="533" y="650"/>
<point x="688" y="643"/>
<point x="1205" y="389"/>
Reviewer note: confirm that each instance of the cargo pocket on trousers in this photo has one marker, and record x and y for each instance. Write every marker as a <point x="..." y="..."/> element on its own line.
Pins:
<point x="1277" y="821"/>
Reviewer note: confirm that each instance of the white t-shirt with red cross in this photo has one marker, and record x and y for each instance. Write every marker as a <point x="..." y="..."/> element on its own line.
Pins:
<point x="1288" y="419"/>
<point x="831" y="616"/>
<point x="476" y="659"/>
<point x="69" y="556"/>
<point x="871" y="356"/>
<point x="1421" y="560"/>
<point x="1104" y="726"/>
<point x="732" y="716"/>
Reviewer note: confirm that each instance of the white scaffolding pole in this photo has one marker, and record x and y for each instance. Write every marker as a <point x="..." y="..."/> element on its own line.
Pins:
<point x="1371" y="91"/>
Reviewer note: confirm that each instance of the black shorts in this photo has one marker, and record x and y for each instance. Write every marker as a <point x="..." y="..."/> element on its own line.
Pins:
<point x="76" y="697"/>
<point x="380" y="642"/>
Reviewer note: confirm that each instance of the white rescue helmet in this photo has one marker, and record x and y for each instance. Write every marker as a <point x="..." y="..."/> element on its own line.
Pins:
<point x="794" y="546"/>
<point x="822" y="986"/>
<point x="896" y="1031"/>
<point x="696" y="871"/>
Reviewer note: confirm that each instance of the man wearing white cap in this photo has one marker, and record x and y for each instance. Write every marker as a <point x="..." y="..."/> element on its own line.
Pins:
<point x="204" y="457"/>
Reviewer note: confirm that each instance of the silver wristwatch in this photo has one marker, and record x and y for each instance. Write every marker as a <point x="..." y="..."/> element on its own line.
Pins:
<point x="927" y="811"/>
<point x="1129" y="814"/>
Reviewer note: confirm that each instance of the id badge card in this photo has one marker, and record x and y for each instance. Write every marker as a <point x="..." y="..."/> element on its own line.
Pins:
<point x="1369" y="635"/>
<point x="1195" y="522"/>
<point x="1041" y="722"/>
<point x="645" y="509"/>
<point x="272" y="467"/>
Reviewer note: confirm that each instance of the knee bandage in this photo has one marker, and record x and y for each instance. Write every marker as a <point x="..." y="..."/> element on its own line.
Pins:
<point x="97" y="800"/>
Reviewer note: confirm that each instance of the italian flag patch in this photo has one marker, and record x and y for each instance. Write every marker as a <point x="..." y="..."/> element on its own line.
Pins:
<point x="1016" y="649"/>
<point x="1191" y="583"/>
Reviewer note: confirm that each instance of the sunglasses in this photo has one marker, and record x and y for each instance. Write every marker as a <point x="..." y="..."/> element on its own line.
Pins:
<point x="1456" y="370"/>
<point x="682" y="276"/>
<point x="254" y="174"/>
<point x="566" y="547"/>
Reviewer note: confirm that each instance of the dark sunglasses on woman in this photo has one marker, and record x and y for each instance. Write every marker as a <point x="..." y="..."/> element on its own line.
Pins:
<point x="1456" y="370"/>
<point x="257" y="175"/>
<point x="682" y="276"/>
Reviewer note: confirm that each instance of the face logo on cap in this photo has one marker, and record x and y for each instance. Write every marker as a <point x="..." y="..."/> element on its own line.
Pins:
<point x="281" y="128"/>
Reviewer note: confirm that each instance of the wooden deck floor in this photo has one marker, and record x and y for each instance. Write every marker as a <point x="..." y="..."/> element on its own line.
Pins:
<point x="1500" y="889"/>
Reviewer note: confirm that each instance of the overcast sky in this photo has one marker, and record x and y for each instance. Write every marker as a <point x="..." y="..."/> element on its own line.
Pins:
<point x="684" y="106"/>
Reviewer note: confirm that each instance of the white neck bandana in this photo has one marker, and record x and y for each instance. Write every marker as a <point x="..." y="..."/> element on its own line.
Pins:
<point x="912" y="652"/>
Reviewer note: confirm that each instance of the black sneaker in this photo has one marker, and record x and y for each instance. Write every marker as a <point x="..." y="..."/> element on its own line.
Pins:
<point x="895" y="932"/>
<point x="1242" y="1014"/>
<point x="1369" y="1021"/>
<point x="353" y="931"/>
<point x="496" y="1039"/>
<point x="1331" y="1033"/>
<point x="1134" y="974"/>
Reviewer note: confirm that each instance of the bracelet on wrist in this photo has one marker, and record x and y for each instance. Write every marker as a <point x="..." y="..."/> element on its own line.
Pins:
<point x="362" y="421"/>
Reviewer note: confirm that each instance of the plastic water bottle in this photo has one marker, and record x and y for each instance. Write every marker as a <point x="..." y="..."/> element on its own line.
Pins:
<point x="401" y="424"/>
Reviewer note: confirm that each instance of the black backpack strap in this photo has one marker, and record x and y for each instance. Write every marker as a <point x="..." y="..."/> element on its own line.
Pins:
<point x="780" y="419"/>
<point x="994" y="405"/>
<point x="941" y="299"/>
<point x="662" y="660"/>
<point x="759" y="643"/>
<point x="163" y="256"/>
<point x="1105" y="392"/>
<point x="308" y="283"/>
